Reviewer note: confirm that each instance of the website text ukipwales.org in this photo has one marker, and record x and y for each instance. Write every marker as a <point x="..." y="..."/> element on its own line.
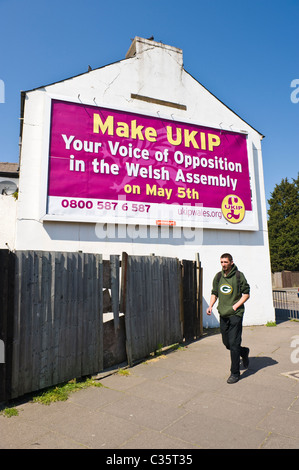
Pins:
<point x="199" y="212"/>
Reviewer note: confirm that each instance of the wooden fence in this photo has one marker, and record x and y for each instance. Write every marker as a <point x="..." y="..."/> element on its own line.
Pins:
<point x="57" y="321"/>
<point x="51" y="319"/>
<point x="285" y="279"/>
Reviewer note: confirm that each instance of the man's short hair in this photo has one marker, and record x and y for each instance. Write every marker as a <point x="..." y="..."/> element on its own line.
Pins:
<point x="228" y="256"/>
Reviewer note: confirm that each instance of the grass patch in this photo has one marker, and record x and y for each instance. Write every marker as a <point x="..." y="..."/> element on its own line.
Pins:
<point x="9" y="412"/>
<point x="124" y="372"/>
<point x="271" y="323"/>
<point x="180" y="347"/>
<point x="159" y="350"/>
<point x="61" y="392"/>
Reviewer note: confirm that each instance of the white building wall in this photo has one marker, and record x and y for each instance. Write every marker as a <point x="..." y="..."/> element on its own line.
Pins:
<point x="156" y="71"/>
<point x="8" y="211"/>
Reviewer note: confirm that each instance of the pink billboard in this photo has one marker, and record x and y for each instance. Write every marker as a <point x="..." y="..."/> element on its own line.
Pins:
<point x="112" y="165"/>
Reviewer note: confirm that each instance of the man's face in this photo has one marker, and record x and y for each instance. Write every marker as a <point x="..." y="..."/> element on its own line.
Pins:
<point x="226" y="264"/>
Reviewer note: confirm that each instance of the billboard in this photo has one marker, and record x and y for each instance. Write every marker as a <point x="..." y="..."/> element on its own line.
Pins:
<point x="109" y="165"/>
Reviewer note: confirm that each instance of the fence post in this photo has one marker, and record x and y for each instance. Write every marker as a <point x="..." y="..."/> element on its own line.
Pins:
<point x="199" y="330"/>
<point x="123" y="293"/>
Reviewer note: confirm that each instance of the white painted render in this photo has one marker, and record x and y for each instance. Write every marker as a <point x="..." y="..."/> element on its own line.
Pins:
<point x="153" y="70"/>
<point x="8" y="211"/>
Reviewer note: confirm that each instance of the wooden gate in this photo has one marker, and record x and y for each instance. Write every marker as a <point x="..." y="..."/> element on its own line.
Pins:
<point x="192" y="299"/>
<point x="161" y="299"/>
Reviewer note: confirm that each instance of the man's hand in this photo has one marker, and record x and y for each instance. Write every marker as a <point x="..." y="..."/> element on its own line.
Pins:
<point x="242" y="301"/>
<point x="212" y="301"/>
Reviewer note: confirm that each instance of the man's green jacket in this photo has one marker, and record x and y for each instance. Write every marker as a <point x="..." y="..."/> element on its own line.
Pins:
<point x="229" y="290"/>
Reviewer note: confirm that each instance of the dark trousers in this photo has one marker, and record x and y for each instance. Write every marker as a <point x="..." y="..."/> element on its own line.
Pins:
<point x="231" y="331"/>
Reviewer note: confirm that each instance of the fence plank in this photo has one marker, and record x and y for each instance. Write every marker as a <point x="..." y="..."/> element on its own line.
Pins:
<point x="114" y="269"/>
<point x="189" y="294"/>
<point x="6" y="321"/>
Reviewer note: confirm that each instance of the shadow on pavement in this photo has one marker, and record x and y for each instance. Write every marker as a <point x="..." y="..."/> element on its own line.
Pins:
<point x="256" y="364"/>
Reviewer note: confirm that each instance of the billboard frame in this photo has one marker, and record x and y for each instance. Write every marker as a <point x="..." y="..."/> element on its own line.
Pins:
<point x="46" y="134"/>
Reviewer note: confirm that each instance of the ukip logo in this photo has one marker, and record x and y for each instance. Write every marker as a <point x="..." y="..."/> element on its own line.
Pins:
<point x="233" y="209"/>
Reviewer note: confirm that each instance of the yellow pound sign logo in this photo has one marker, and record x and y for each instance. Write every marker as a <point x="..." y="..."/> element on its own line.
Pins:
<point x="233" y="209"/>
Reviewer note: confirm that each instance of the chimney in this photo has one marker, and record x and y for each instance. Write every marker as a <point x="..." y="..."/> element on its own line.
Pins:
<point x="140" y="45"/>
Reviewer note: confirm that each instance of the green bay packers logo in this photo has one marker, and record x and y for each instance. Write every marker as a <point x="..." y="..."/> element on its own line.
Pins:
<point x="226" y="289"/>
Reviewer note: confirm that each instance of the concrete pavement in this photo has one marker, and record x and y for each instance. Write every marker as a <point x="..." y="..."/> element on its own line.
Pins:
<point x="179" y="400"/>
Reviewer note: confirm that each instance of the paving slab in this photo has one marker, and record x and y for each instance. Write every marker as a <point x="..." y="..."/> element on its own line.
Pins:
<point x="179" y="400"/>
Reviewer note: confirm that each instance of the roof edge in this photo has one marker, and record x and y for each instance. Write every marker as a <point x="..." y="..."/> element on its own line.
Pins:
<point x="74" y="76"/>
<point x="262" y="135"/>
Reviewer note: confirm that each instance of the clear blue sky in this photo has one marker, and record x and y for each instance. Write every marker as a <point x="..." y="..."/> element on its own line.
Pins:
<point x="246" y="52"/>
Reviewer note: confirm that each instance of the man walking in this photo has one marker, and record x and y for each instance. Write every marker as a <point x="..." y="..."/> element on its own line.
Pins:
<point x="232" y="290"/>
